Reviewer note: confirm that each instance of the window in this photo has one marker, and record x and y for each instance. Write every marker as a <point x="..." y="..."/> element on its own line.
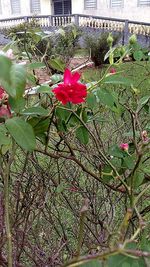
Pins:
<point x="62" y="7"/>
<point x="90" y="4"/>
<point x="35" y="6"/>
<point x="116" y="3"/>
<point x="15" y="6"/>
<point x="143" y="2"/>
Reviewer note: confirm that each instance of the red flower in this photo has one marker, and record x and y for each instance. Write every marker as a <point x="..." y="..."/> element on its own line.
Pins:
<point x="70" y="90"/>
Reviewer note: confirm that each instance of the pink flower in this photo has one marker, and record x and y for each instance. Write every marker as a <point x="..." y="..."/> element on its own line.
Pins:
<point x="70" y="90"/>
<point x="124" y="146"/>
<point x="112" y="71"/>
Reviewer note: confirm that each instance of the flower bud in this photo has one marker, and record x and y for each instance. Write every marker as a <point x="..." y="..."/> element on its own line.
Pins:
<point x="124" y="147"/>
<point x="132" y="39"/>
<point x="10" y="54"/>
<point x="112" y="71"/>
<point x="145" y="136"/>
<point x="110" y="40"/>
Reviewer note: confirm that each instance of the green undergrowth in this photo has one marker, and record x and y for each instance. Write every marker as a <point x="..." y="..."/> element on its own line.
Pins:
<point x="139" y="73"/>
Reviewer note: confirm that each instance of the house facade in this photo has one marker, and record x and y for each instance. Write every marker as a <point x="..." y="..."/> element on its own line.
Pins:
<point x="138" y="10"/>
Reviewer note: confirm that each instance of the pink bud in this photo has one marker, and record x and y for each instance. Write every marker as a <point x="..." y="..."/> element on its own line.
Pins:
<point x="22" y="63"/>
<point x="124" y="146"/>
<point x="5" y="112"/>
<point x="2" y="92"/>
<point x="145" y="136"/>
<point x="9" y="53"/>
<point x="112" y="71"/>
<point x="73" y="189"/>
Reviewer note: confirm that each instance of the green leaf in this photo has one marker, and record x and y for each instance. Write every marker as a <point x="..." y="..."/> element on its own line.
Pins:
<point x="116" y="151"/>
<point x="112" y="50"/>
<point x="40" y="126"/>
<point x="22" y="132"/>
<point x="61" y="31"/>
<point x="17" y="105"/>
<point x="42" y="137"/>
<point x="5" y="67"/>
<point x="143" y="101"/>
<point x="4" y="140"/>
<point x="33" y="111"/>
<point x="61" y="187"/>
<point x="14" y="80"/>
<point x="94" y="263"/>
<point x="138" y="178"/>
<point x="107" y="173"/>
<point x="56" y="78"/>
<point x="6" y="147"/>
<point x="82" y="135"/>
<point x="18" y="79"/>
<point x="128" y="162"/>
<point x="116" y="79"/>
<point x="124" y="261"/>
<point x="62" y="113"/>
<point x="105" y="97"/>
<point x="57" y="64"/>
<point x="138" y="55"/>
<point x="84" y="115"/>
<point x="146" y="170"/>
<point x="36" y="65"/>
<point x="44" y="89"/>
<point x="91" y="100"/>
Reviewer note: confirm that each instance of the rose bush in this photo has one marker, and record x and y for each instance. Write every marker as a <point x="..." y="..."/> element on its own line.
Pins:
<point x="81" y="145"/>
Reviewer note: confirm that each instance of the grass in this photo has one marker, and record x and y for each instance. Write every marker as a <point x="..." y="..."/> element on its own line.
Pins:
<point x="81" y="52"/>
<point x="138" y="72"/>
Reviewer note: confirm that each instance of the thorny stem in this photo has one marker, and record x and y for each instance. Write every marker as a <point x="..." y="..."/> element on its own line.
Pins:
<point x="7" y="216"/>
<point x="81" y="226"/>
<point x="102" y="154"/>
<point x="6" y="174"/>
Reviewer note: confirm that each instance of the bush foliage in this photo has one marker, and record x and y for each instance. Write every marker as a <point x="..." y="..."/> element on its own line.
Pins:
<point x="99" y="46"/>
<point x="74" y="168"/>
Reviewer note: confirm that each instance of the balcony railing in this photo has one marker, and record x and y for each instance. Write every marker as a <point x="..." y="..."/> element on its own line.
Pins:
<point x="95" y="22"/>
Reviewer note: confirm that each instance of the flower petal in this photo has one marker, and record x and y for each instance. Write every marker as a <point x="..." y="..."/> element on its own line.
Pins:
<point x="75" y="77"/>
<point x="4" y="112"/>
<point x="67" y="76"/>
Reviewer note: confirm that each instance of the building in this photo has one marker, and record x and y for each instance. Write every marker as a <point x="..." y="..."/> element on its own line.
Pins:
<point x="138" y="10"/>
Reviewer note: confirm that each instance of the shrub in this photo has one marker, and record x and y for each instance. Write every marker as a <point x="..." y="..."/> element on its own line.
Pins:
<point x="61" y="43"/>
<point x="25" y="26"/>
<point x="74" y="169"/>
<point x="99" y="46"/>
<point x="66" y="41"/>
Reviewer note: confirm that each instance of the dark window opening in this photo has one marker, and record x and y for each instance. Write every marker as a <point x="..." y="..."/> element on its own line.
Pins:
<point x="62" y="7"/>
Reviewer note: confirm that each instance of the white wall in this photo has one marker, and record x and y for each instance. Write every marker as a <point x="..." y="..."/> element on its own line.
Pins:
<point x="25" y="8"/>
<point x="46" y="7"/>
<point x="130" y="10"/>
<point x="77" y="6"/>
<point x="6" y="9"/>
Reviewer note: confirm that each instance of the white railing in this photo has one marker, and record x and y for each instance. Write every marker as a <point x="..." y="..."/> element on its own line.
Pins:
<point x="111" y="24"/>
